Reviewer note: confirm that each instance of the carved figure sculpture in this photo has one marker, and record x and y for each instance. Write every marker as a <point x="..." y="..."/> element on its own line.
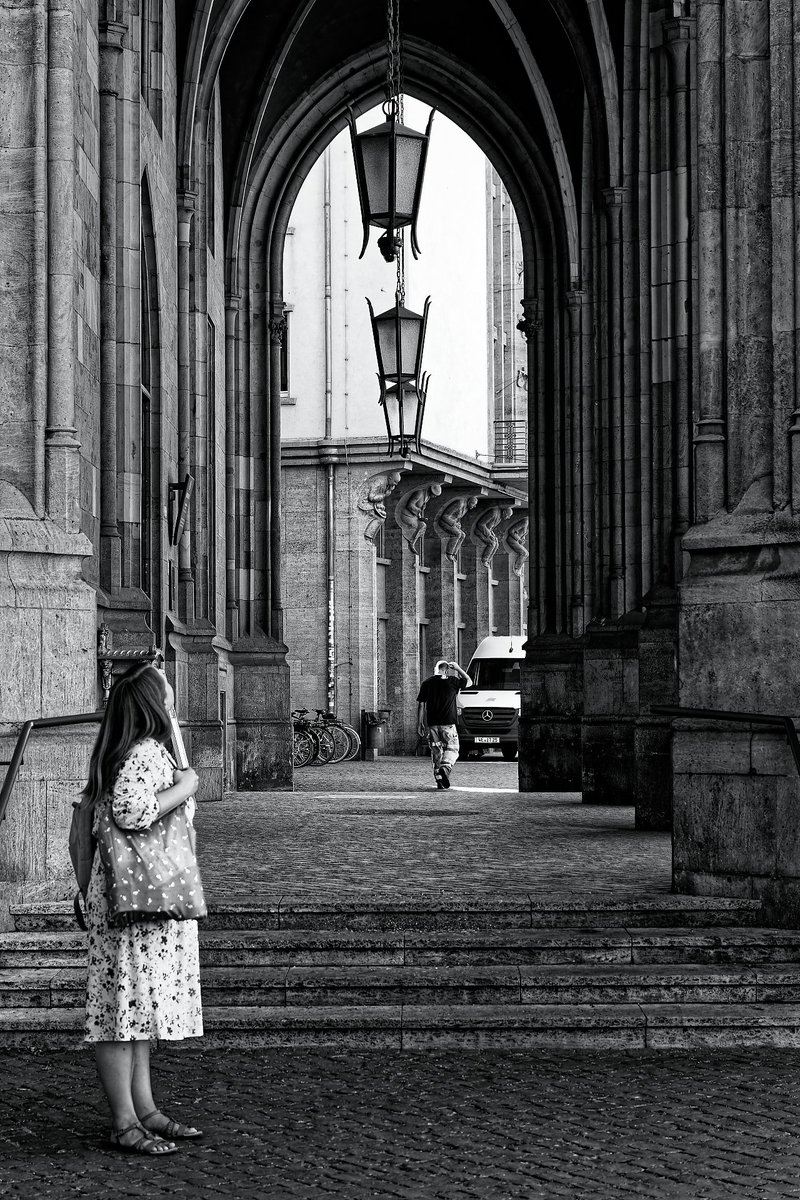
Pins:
<point x="372" y="497"/>
<point x="449" y="523"/>
<point x="410" y="514"/>
<point x="484" y="533"/>
<point x="515" y="539"/>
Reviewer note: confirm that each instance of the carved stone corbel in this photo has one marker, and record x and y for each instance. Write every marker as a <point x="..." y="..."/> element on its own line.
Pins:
<point x="448" y="524"/>
<point x="371" y="500"/>
<point x="514" y="539"/>
<point x="410" y="514"/>
<point x="483" y="531"/>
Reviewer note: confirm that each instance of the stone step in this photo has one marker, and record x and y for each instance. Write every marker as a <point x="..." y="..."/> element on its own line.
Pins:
<point x="345" y="986"/>
<point x="492" y="911"/>
<point x="236" y="948"/>
<point x="418" y="1027"/>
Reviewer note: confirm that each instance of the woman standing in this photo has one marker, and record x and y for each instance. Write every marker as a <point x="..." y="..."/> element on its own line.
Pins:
<point x="144" y="979"/>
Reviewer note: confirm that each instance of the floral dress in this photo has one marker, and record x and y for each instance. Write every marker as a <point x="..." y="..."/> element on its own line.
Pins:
<point x="144" y="980"/>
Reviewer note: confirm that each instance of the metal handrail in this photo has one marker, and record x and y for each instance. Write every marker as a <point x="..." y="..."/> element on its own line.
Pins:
<point x="769" y="721"/>
<point x="22" y="741"/>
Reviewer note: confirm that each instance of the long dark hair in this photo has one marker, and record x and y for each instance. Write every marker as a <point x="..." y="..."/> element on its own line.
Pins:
<point x="135" y="711"/>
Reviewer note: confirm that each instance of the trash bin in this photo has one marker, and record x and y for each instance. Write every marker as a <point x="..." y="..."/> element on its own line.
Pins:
<point x="374" y="730"/>
<point x="373" y="725"/>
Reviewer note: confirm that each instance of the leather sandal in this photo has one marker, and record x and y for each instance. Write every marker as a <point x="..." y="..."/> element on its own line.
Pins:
<point x="148" y="1143"/>
<point x="172" y="1129"/>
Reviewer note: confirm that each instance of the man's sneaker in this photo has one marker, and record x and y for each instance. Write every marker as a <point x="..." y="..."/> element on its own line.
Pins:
<point x="444" y="779"/>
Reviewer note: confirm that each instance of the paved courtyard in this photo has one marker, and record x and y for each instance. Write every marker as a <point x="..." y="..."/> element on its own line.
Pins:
<point x="424" y="1126"/>
<point x="367" y="827"/>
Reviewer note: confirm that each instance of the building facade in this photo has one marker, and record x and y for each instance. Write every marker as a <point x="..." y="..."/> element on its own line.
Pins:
<point x="390" y="566"/>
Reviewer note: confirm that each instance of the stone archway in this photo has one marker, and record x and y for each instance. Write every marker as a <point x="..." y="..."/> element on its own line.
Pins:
<point x="278" y="145"/>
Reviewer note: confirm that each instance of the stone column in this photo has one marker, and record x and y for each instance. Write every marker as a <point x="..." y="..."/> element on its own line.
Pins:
<point x="277" y="328"/>
<point x="530" y="324"/>
<point x="677" y="42"/>
<point x="233" y="400"/>
<point x="111" y="35"/>
<point x="614" y="197"/>
<point x="61" y="444"/>
<point x="736" y="791"/>
<point x="749" y="263"/>
<point x="711" y="427"/>
<point x="581" y="535"/>
<point x="186" y="207"/>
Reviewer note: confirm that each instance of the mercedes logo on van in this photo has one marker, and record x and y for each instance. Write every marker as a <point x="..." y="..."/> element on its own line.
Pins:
<point x="487" y="714"/>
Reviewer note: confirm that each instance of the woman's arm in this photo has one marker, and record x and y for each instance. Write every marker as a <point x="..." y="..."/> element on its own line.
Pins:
<point x="185" y="785"/>
<point x="136" y="799"/>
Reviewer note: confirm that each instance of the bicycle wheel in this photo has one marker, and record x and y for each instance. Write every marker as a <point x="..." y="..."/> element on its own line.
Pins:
<point x="325" y="745"/>
<point x="354" y="739"/>
<point x="302" y="748"/>
<point x="341" y="742"/>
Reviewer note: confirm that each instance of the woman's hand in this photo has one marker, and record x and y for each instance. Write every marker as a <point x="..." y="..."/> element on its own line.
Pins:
<point x="185" y="784"/>
<point x="186" y="780"/>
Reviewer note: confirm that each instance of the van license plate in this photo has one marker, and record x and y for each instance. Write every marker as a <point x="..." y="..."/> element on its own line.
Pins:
<point x="488" y="741"/>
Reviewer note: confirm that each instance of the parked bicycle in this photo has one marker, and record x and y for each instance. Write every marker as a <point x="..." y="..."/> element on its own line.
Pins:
<point x="311" y="741"/>
<point x="348" y="743"/>
<point x="323" y="739"/>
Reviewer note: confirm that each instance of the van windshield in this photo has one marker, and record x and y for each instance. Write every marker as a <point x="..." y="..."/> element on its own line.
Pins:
<point x="495" y="674"/>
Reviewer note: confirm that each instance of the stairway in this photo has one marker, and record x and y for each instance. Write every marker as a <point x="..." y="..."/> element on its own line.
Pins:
<point x="595" y="972"/>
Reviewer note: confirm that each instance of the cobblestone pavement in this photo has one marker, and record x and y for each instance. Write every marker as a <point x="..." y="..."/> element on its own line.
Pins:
<point x="426" y="1126"/>
<point x="383" y="826"/>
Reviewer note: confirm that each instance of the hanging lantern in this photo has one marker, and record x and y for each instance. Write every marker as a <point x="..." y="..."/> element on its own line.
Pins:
<point x="404" y="411"/>
<point x="390" y="166"/>
<point x="390" y="159"/>
<point x="399" y="337"/>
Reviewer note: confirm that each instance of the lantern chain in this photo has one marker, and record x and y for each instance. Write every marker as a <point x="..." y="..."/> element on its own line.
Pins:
<point x="394" y="61"/>
<point x="401" y="270"/>
<point x="398" y="57"/>
<point x="391" y="64"/>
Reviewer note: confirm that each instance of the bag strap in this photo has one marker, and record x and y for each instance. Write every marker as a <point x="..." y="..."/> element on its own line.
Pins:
<point x="79" y="917"/>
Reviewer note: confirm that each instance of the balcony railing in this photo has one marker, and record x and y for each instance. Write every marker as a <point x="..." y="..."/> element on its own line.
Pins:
<point x="511" y="441"/>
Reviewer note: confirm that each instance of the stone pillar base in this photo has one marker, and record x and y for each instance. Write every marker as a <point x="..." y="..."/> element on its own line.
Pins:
<point x="736" y="799"/>
<point x="550" y="718"/>
<point x="34" y="835"/>
<point x="736" y="788"/>
<point x="50" y="634"/>
<point x="611" y="705"/>
<point x="198" y="660"/>
<point x="658" y="684"/>
<point x="264" y="759"/>
<point x="652" y="754"/>
<point x="608" y="774"/>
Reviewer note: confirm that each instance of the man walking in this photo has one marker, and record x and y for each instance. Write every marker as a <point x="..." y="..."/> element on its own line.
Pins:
<point x="436" y="716"/>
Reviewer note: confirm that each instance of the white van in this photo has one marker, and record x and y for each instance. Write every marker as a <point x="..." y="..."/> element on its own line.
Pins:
<point x="488" y="712"/>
